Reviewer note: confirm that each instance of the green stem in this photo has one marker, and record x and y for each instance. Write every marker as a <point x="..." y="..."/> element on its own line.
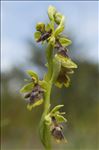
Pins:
<point x="44" y="129"/>
<point x="49" y="56"/>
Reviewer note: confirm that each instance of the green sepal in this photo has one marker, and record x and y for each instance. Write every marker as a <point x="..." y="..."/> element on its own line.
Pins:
<point x="27" y="88"/>
<point x="47" y="27"/>
<point x="64" y="41"/>
<point x="37" y="35"/>
<point x="40" y="27"/>
<point x="65" y="61"/>
<point x="30" y="106"/>
<point x="32" y="74"/>
<point x="56" y="108"/>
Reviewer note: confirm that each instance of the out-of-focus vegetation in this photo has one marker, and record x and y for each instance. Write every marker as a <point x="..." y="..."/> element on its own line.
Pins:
<point x="20" y="127"/>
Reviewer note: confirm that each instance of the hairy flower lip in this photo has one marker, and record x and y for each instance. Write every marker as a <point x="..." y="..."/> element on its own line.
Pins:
<point x="45" y="36"/>
<point x="35" y="95"/>
<point x="57" y="133"/>
<point x="60" y="49"/>
<point x="56" y="130"/>
<point x="63" y="53"/>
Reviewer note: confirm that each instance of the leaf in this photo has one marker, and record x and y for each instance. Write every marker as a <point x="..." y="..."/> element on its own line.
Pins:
<point x="51" y="12"/>
<point x="30" y="106"/>
<point x="32" y="74"/>
<point x="65" y="41"/>
<point x="60" y="28"/>
<point x="45" y="134"/>
<point x="37" y="35"/>
<point x="27" y="88"/>
<point x="56" y="108"/>
<point x="60" y="118"/>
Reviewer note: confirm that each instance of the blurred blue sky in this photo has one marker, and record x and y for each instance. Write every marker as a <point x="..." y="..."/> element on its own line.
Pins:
<point x="18" y="21"/>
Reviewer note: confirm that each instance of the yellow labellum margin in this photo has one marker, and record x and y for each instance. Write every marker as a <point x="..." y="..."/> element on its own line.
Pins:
<point x="30" y="106"/>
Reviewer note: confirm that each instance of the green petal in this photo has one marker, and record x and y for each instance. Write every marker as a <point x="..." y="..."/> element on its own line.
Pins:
<point x="56" y="108"/>
<point x="43" y="84"/>
<point x="58" y="84"/>
<point x="65" y="61"/>
<point x="60" y="118"/>
<point x="37" y="35"/>
<point x="30" y="106"/>
<point x="65" y="41"/>
<point x="27" y="88"/>
<point x="32" y="74"/>
<point x="70" y="71"/>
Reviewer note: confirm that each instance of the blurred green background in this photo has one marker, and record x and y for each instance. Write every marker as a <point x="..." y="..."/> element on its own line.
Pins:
<point x="19" y="127"/>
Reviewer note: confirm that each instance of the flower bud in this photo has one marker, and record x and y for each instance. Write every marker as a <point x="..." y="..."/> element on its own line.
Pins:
<point x="51" y="12"/>
<point x="57" y="18"/>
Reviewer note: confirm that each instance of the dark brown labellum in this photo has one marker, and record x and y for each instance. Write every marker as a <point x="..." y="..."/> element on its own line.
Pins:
<point x="62" y="52"/>
<point x="57" y="133"/>
<point x="60" y="49"/>
<point x="44" y="36"/>
<point x="57" y="130"/>
<point x="36" y="94"/>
